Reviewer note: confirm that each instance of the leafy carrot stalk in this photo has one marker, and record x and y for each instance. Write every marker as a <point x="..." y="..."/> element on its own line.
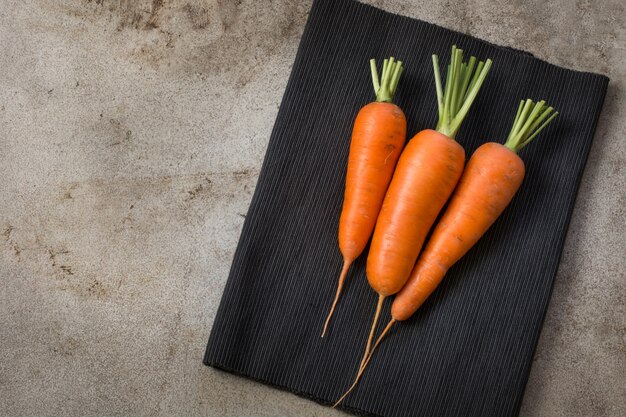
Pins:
<point x="492" y="177"/>
<point x="427" y="172"/>
<point x="378" y="136"/>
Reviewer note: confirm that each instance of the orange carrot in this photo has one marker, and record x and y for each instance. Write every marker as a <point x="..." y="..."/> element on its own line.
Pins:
<point x="492" y="177"/>
<point x="427" y="172"/>
<point x="378" y="136"/>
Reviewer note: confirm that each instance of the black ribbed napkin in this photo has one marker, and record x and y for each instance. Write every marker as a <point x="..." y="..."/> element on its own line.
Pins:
<point x="468" y="350"/>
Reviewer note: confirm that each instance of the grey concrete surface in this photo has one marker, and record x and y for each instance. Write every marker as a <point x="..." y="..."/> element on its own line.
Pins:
<point x="131" y="137"/>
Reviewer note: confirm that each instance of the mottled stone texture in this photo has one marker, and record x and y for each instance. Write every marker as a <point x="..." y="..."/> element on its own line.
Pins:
<point x="131" y="137"/>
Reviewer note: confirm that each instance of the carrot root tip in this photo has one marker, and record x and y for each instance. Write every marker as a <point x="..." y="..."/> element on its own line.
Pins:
<point x="342" y="280"/>
<point x="366" y="362"/>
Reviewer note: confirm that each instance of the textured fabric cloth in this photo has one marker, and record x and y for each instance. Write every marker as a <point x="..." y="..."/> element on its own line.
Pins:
<point x="468" y="350"/>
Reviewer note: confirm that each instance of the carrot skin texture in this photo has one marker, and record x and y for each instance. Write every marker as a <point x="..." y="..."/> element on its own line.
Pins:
<point x="378" y="137"/>
<point x="427" y="172"/>
<point x="493" y="175"/>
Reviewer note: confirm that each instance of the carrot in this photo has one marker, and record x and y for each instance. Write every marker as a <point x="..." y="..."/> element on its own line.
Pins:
<point x="427" y="172"/>
<point x="492" y="177"/>
<point x="378" y="136"/>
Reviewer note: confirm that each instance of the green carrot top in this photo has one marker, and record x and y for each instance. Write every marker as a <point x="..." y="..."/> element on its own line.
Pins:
<point x="531" y="118"/>
<point x="385" y="87"/>
<point x="463" y="81"/>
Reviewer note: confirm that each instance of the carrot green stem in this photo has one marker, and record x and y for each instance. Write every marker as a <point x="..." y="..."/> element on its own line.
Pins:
<point x="384" y="71"/>
<point x="395" y="78"/>
<point x="462" y="86"/>
<point x="374" y="74"/>
<point x="531" y="118"/>
<point x="438" y="86"/>
<point x="385" y="86"/>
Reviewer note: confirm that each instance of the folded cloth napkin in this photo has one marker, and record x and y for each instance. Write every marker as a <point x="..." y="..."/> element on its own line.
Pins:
<point x="468" y="350"/>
